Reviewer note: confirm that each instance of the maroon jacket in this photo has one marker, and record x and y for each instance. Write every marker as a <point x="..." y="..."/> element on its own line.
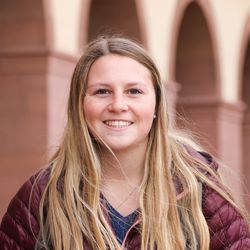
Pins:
<point x="20" y="226"/>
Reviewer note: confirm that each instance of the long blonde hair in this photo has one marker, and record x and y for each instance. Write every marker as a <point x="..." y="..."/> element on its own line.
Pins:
<point x="74" y="211"/>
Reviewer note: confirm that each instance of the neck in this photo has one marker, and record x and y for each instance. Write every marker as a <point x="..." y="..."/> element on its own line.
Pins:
<point x="122" y="176"/>
<point x="126" y="165"/>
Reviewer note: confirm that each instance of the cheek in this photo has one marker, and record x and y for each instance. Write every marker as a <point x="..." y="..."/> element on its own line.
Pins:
<point x="147" y="117"/>
<point x="90" y="109"/>
<point x="147" y="110"/>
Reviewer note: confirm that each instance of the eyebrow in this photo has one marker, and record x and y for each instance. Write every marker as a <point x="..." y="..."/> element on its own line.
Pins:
<point x="130" y="84"/>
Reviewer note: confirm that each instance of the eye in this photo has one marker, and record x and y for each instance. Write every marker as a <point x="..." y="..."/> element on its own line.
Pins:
<point x="134" y="91"/>
<point x="102" y="92"/>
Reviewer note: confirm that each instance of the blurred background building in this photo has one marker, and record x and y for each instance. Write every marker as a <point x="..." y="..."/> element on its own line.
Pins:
<point x="202" y="48"/>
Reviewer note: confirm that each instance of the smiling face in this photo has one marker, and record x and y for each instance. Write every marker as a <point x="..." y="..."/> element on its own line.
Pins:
<point x="120" y="100"/>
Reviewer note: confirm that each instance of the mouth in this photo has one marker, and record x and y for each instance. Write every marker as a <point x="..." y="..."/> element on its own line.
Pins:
<point x="117" y="123"/>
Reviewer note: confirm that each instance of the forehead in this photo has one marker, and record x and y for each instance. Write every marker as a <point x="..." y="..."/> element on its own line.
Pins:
<point x="115" y="67"/>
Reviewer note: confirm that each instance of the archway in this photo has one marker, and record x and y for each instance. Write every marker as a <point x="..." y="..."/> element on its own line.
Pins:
<point x="196" y="72"/>
<point x="195" y="66"/>
<point x="114" y="16"/>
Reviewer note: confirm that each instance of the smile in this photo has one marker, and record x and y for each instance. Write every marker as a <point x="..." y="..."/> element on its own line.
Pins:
<point x="117" y="124"/>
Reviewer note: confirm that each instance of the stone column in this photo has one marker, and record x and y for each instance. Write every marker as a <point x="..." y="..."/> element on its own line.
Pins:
<point x="33" y="92"/>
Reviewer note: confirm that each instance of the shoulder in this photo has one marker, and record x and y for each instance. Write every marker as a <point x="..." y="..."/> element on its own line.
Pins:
<point x="228" y="229"/>
<point x="20" y="223"/>
<point x="227" y="226"/>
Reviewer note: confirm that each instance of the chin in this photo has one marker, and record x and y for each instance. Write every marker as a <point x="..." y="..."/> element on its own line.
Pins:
<point x="119" y="146"/>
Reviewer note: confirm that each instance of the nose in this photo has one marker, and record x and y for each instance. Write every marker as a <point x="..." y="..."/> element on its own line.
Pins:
<point x="118" y="104"/>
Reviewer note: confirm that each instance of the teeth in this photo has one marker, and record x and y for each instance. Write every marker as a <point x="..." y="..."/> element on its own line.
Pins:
<point x="118" y="124"/>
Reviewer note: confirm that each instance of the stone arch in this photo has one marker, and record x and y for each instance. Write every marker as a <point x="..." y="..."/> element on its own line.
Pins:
<point x="195" y="66"/>
<point x="112" y="16"/>
<point x="200" y="97"/>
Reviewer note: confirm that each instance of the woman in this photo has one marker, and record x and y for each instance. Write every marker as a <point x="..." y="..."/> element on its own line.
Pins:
<point x="121" y="178"/>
